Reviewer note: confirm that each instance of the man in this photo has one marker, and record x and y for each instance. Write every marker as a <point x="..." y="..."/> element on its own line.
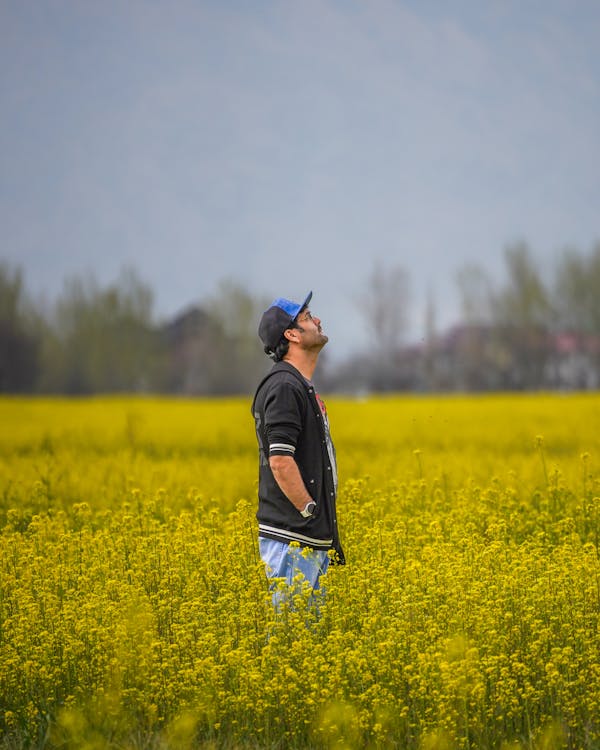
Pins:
<point x="297" y="521"/>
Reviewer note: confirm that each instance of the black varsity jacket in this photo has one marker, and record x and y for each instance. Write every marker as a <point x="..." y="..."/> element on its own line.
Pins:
<point x="289" y="422"/>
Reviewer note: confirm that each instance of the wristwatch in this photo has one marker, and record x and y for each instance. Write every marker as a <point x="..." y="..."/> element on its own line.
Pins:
<point x="309" y="509"/>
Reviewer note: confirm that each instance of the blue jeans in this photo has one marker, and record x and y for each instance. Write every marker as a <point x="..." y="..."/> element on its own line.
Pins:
<point x="285" y="562"/>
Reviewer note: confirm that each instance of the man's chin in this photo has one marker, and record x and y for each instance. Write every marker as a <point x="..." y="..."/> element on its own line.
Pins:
<point x="319" y="342"/>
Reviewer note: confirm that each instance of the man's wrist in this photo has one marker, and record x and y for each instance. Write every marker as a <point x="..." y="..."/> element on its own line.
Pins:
<point x="309" y="509"/>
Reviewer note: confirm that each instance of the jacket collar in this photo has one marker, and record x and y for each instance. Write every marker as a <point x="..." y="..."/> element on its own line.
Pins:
<point x="282" y="366"/>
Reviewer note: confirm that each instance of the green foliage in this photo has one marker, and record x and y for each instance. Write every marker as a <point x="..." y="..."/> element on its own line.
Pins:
<point x="19" y="344"/>
<point x="239" y="360"/>
<point x="577" y="291"/>
<point x="101" y="339"/>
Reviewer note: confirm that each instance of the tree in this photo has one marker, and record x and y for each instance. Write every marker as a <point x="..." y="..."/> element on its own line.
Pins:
<point x="238" y="353"/>
<point x="577" y="305"/>
<point x="384" y="303"/>
<point x="523" y="312"/>
<point x="19" y="344"/>
<point x="478" y="361"/>
<point x="577" y="291"/>
<point x="102" y="340"/>
<point x="476" y="294"/>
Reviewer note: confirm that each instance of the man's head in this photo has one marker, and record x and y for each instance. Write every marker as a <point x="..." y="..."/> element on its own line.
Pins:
<point x="285" y="322"/>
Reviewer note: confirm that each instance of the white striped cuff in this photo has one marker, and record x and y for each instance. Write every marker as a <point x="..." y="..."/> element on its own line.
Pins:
<point x="282" y="448"/>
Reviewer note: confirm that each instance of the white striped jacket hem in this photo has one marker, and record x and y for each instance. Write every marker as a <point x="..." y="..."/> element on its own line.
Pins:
<point x="293" y="536"/>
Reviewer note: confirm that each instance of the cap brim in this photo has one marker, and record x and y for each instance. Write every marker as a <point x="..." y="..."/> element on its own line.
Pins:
<point x="303" y="305"/>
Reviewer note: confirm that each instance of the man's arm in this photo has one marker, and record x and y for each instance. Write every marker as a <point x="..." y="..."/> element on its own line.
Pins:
<point x="288" y="477"/>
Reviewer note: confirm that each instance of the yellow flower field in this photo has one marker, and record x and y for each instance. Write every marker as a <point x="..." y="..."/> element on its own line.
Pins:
<point x="134" y="611"/>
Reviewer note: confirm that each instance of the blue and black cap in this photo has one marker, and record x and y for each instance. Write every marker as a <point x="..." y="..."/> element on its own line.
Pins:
<point x="278" y="318"/>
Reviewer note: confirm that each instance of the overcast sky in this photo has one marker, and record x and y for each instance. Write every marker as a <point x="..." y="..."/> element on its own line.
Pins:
<point x="286" y="145"/>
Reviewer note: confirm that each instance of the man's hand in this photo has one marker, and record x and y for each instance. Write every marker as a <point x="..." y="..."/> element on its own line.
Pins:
<point x="287" y="475"/>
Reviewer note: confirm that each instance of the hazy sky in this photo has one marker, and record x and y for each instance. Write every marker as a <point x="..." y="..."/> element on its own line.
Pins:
<point x="288" y="144"/>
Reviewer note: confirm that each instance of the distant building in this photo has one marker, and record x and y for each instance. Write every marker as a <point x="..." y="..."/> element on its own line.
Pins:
<point x="471" y="358"/>
<point x="188" y="340"/>
<point x="574" y="362"/>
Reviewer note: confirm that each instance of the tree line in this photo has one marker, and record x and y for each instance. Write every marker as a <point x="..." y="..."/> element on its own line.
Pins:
<point x="534" y="328"/>
<point x="537" y="327"/>
<point x="106" y="339"/>
<point x="542" y="329"/>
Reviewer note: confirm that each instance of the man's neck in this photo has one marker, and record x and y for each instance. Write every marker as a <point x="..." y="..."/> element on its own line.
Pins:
<point x="304" y="362"/>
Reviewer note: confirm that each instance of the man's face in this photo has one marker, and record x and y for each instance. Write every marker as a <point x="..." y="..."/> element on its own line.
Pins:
<point x="310" y="331"/>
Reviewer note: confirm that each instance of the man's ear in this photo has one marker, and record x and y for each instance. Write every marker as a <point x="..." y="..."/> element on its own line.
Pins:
<point x="290" y="334"/>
